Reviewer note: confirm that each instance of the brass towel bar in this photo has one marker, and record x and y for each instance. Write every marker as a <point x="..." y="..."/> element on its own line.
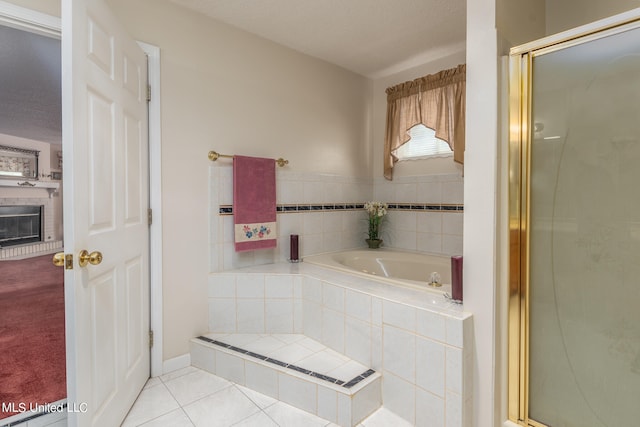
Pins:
<point x="213" y="156"/>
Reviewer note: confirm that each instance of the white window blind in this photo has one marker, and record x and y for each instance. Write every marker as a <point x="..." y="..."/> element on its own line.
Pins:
<point x="423" y="144"/>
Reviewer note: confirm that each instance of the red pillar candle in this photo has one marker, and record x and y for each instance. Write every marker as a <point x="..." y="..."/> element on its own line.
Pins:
<point x="456" y="278"/>
<point x="293" y="250"/>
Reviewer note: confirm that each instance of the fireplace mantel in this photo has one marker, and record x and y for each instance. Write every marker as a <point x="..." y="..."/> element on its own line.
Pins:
<point x="50" y="186"/>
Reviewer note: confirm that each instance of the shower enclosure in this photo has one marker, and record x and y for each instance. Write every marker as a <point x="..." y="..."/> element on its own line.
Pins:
<point x="574" y="311"/>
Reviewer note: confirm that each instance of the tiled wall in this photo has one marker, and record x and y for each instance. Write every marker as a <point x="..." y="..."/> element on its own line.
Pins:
<point x="438" y="228"/>
<point x="255" y="303"/>
<point x="424" y="355"/>
<point x="424" y="359"/>
<point x="425" y="214"/>
<point x="320" y="230"/>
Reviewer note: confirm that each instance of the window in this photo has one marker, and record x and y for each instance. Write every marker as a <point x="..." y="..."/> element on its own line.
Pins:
<point x="437" y="101"/>
<point x="423" y="144"/>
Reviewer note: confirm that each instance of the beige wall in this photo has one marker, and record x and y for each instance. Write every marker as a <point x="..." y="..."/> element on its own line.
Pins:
<point x="50" y="7"/>
<point x="562" y="15"/>
<point x="520" y="21"/>
<point x="414" y="167"/>
<point x="227" y="90"/>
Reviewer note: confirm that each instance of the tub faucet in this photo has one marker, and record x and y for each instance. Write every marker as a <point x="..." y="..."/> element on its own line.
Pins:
<point x="435" y="280"/>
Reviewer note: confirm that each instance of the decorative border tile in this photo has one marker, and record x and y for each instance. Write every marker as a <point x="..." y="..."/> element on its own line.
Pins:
<point x="425" y="207"/>
<point x="303" y="208"/>
<point x="226" y="210"/>
<point x="347" y="384"/>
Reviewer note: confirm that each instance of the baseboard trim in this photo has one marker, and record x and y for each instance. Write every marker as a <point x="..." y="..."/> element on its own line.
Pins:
<point x="176" y="363"/>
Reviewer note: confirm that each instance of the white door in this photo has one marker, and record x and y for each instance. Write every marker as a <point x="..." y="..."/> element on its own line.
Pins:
<point x="105" y="148"/>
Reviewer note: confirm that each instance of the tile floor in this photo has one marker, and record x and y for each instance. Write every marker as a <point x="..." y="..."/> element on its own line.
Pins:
<point x="195" y="398"/>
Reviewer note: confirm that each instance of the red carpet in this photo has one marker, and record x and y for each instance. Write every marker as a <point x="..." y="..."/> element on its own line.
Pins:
<point x="32" y="343"/>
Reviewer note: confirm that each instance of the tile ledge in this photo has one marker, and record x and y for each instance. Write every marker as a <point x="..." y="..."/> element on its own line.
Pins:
<point x="422" y="300"/>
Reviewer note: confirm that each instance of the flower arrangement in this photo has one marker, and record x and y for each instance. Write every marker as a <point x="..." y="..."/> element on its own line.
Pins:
<point x="376" y="212"/>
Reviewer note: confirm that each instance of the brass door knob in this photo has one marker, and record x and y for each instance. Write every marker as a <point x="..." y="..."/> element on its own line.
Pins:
<point x="58" y="259"/>
<point x="93" y="258"/>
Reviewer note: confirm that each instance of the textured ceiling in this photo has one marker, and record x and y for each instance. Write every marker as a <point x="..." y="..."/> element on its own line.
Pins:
<point x="369" y="37"/>
<point x="30" y="102"/>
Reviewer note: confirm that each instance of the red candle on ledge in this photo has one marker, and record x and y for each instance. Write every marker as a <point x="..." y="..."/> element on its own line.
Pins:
<point x="293" y="250"/>
<point x="456" y="278"/>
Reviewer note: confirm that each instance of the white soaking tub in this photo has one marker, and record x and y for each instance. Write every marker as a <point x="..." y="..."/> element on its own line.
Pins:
<point x="395" y="267"/>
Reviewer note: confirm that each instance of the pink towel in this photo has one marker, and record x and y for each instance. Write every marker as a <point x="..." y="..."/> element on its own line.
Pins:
<point x="254" y="203"/>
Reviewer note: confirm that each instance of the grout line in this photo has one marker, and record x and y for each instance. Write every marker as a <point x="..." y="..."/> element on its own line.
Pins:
<point x="187" y="415"/>
<point x="248" y="397"/>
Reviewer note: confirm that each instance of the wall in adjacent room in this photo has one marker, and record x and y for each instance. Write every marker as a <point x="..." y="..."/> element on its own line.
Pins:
<point x="31" y="196"/>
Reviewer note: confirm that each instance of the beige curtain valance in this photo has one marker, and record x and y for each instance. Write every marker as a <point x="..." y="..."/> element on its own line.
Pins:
<point x="436" y="101"/>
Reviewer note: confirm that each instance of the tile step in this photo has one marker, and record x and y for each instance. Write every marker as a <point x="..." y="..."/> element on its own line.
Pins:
<point x="344" y="395"/>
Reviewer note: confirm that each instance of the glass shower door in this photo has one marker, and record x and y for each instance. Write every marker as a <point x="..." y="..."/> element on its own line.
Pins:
<point x="582" y="178"/>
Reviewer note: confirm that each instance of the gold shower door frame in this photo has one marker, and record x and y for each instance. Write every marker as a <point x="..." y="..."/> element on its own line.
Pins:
<point x="520" y="137"/>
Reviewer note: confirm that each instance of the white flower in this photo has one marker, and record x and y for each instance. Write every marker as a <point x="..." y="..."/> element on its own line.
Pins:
<point x="376" y="208"/>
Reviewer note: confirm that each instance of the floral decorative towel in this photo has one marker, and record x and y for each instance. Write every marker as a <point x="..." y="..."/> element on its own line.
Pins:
<point x="254" y="203"/>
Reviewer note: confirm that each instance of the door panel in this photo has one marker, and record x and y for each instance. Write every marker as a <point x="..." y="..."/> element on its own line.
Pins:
<point x="134" y="166"/>
<point x="135" y="320"/>
<point x="584" y="328"/>
<point x="103" y="339"/>
<point x="575" y="148"/>
<point x="101" y="122"/>
<point x="106" y="168"/>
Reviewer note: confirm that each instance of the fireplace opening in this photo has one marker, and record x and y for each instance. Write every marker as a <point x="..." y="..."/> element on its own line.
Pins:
<point x="20" y="225"/>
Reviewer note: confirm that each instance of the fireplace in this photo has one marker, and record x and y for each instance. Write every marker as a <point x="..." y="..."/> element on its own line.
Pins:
<point x="20" y="225"/>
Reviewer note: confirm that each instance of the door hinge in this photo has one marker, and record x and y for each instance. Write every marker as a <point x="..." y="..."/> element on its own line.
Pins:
<point x="150" y="216"/>
<point x="148" y="93"/>
<point x="150" y="339"/>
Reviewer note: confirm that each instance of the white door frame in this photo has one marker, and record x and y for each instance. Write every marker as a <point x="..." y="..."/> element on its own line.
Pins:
<point x="155" y="204"/>
<point x="26" y="19"/>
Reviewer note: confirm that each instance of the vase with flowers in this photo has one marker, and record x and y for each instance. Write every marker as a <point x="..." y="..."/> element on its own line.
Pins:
<point x="376" y="212"/>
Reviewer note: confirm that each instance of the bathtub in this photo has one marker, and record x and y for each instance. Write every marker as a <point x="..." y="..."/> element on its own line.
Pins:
<point x="390" y="266"/>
